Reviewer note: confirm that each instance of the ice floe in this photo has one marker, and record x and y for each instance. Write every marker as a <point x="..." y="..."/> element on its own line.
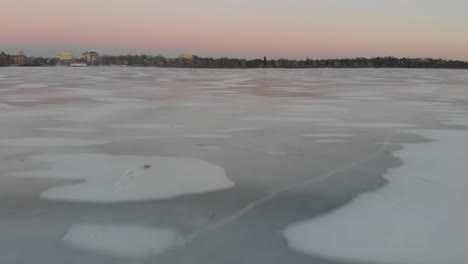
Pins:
<point x="129" y="241"/>
<point x="123" y="178"/>
<point x="419" y="217"/>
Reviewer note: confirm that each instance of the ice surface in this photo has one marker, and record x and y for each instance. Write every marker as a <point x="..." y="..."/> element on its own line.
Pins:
<point x="457" y="121"/>
<point x="358" y="93"/>
<point x="423" y="89"/>
<point x="362" y="95"/>
<point x="122" y="178"/>
<point x="69" y="129"/>
<point x="14" y="113"/>
<point x="420" y="216"/>
<point x="99" y="112"/>
<point x="32" y="85"/>
<point x="423" y="103"/>
<point x="206" y="147"/>
<point x="121" y="240"/>
<point x="148" y="126"/>
<point x="76" y="114"/>
<point x="292" y="119"/>
<point x="330" y="141"/>
<point x="369" y="98"/>
<point x="86" y="92"/>
<point x="326" y="135"/>
<point x="449" y="113"/>
<point x="50" y="142"/>
<point x="198" y="104"/>
<point x="367" y="125"/>
<point x="119" y="100"/>
<point x="22" y="100"/>
<point x="135" y="137"/>
<point x="235" y="129"/>
<point x="287" y="138"/>
<point x="213" y="136"/>
<point x="312" y="108"/>
<point x="290" y="89"/>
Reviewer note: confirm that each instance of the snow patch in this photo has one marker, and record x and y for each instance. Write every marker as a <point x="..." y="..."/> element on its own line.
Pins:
<point x="419" y="217"/>
<point x="50" y="142"/>
<point x="111" y="179"/>
<point x="121" y="240"/>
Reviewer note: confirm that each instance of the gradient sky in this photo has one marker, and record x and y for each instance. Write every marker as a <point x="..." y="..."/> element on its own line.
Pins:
<point x="241" y="28"/>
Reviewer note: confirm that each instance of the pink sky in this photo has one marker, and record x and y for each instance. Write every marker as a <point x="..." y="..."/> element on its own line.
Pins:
<point x="244" y="28"/>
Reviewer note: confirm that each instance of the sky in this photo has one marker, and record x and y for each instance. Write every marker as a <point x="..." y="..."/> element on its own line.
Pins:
<point x="238" y="28"/>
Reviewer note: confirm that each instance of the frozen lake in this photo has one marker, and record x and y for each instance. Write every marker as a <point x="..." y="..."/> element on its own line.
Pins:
<point x="183" y="166"/>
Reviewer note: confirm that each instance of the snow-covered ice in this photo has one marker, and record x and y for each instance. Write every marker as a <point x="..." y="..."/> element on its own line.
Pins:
<point x="159" y="165"/>
<point x="130" y="241"/>
<point x="51" y="142"/>
<point x="109" y="178"/>
<point x="418" y="217"/>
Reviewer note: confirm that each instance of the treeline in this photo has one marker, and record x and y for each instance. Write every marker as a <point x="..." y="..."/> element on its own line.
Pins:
<point x="224" y="62"/>
<point x="199" y="62"/>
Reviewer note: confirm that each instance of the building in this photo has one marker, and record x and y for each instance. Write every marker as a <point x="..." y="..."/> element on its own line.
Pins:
<point x="65" y="56"/>
<point x="91" y="57"/>
<point x="185" y="58"/>
<point x="20" y="59"/>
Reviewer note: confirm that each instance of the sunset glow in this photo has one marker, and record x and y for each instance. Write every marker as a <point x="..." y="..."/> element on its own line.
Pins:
<point x="297" y="28"/>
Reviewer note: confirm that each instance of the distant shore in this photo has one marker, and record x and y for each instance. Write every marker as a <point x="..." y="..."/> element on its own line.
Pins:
<point x="193" y="61"/>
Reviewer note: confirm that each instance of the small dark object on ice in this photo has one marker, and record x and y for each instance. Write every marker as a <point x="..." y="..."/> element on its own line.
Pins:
<point x="147" y="166"/>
